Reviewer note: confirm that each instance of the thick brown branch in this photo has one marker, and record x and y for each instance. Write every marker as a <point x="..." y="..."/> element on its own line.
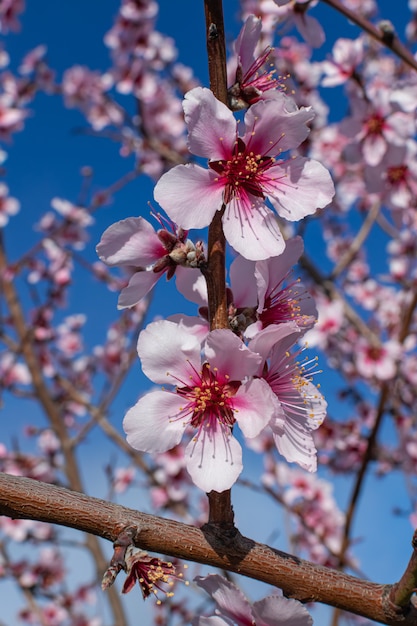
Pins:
<point x="29" y="499"/>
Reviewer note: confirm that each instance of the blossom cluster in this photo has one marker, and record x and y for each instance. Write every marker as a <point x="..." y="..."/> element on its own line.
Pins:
<point x="248" y="374"/>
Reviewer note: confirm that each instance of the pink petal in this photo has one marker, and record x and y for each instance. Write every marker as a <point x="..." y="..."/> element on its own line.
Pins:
<point x="247" y="41"/>
<point x="214" y="460"/>
<point x="279" y="611"/>
<point x="225" y="351"/>
<point x="264" y="341"/>
<point x="242" y="279"/>
<point x="165" y="347"/>
<point x="190" y="195"/>
<point x="139" y="285"/>
<point x="211" y="125"/>
<point x="310" y="29"/>
<point x="374" y="148"/>
<point x="132" y="241"/>
<point x="192" y="284"/>
<point x="271" y="272"/>
<point x="196" y="326"/>
<point x="255" y="404"/>
<point x="299" y="187"/>
<point x="153" y="424"/>
<point x="295" y="443"/>
<point x="273" y="126"/>
<point x="229" y="598"/>
<point x="255" y="235"/>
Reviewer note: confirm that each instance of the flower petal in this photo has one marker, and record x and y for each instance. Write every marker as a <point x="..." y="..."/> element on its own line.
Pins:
<point x="139" y="285"/>
<point x="190" y="195"/>
<point x="229" y="598"/>
<point x="279" y="611"/>
<point x="299" y="187"/>
<point x="214" y="458"/>
<point x="225" y="351"/>
<point x="265" y="340"/>
<point x="253" y="232"/>
<point x="165" y="347"/>
<point x="271" y="272"/>
<point x="211" y="125"/>
<point x="132" y="241"/>
<point x="295" y="442"/>
<point x="242" y="279"/>
<point x="154" y="423"/>
<point x="275" y="126"/>
<point x="247" y="41"/>
<point x="192" y="284"/>
<point x="194" y="325"/>
<point x="255" y="404"/>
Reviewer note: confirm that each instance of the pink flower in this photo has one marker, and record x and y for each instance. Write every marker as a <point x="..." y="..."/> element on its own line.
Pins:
<point x="209" y="397"/>
<point x="296" y="11"/>
<point x="257" y="297"/>
<point x="300" y="408"/>
<point x="134" y="243"/>
<point x="347" y="56"/>
<point x="394" y="179"/>
<point x="373" y="126"/>
<point x="330" y="320"/>
<point x="149" y="572"/>
<point x="379" y="362"/>
<point x="250" y="80"/>
<point x="233" y="607"/>
<point x="278" y="304"/>
<point x="243" y="172"/>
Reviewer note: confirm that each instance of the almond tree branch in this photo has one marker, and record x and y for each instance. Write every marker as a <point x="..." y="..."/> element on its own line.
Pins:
<point x="220" y="507"/>
<point x="25" y="498"/>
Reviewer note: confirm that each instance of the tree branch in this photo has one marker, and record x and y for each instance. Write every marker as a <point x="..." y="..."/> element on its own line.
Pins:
<point x="25" y="498"/>
<point x="220" y="506"/>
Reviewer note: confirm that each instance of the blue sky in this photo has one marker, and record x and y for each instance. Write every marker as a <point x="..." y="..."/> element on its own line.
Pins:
<point x="44" y="162"/>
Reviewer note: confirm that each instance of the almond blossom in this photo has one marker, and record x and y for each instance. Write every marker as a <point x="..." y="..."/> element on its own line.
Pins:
<point x="133" y="243"/>
<point x="234" y="608"/>
<point x="209" y="397"/>
<point x="301" y="408"/>
<point x="296" y="11"/>
<point x="243" y="172"/>
<point x="257" y="296"/>
<point x="251" y="81"/>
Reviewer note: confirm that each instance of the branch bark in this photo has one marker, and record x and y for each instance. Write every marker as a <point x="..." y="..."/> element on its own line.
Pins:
<point x="220" y="506"/>
<point x="25" y="498"/>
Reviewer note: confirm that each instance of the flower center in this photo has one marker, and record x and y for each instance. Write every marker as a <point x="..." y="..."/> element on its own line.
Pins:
<point x="210" y="399"/>
<point x="375" y="124"/>
<point x="397" y="174"/>
<point x="244" y="170"/>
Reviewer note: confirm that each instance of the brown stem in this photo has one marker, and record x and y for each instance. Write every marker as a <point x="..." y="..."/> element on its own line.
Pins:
<point x="387" y="39"/>
<point x="53" y="413"/>
<point x="25" y="498"/>
<point x="220" y="508"/>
